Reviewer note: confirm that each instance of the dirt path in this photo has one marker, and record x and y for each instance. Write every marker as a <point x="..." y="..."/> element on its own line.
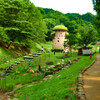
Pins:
<point x="92" y="81"/>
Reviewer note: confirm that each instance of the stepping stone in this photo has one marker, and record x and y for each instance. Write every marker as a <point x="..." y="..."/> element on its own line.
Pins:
<point x="35" y="55"/>
<point x="30" y="55"/>
<point x="52" y="66"/>
<point x="14" y="64"/>
<point x="8" y="71"/>
<point x="2" y="74"/>
<point x="39" y="53"/>
<point x="22" y="60"/>
<point x="17" y="62"/>
<point x="27" y="57"/>
<point x="7" y="74"/>
<point x="7" y="61"/>
<point x="2" y="68"/>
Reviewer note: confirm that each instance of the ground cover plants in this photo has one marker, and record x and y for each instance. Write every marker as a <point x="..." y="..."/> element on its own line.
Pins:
<point x="61" y="86"/>
<point x="24" y="74"/>
<point x="21" y="74"/>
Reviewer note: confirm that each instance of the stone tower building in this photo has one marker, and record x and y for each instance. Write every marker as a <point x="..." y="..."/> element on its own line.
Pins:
<point x="60" y="32"/>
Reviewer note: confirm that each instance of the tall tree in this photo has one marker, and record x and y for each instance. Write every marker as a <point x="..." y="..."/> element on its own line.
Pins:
<point x="86" y="35"/>
<point x="97" y="20"/>
<point x="21" y="21"/>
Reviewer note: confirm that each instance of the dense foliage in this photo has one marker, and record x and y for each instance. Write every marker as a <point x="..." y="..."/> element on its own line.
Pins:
<point x="20" y="22"/>
<point x="72" y="21"/>
<point x="97" y="19"/>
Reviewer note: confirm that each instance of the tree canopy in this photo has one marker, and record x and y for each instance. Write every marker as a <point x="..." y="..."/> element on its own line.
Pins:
<point x="97" y="19"/>
<point x="21" y="22"/>
<point x="71" y="20"/>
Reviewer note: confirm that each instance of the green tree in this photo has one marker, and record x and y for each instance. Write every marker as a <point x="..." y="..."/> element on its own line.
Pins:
<point x="72" y="40"/>
<point x="97" y="19"/>
<point x="50" y="23"/>
<point x="21" y="21"/>
<point x="86" y="36"/>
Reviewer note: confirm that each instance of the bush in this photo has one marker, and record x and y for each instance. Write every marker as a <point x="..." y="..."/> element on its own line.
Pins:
<point x="48" y="72"/>
<point x="49" y="63"/>
<point x="57" y="50"/>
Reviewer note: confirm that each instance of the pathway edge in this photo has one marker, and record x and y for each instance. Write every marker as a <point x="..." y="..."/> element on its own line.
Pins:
<point x="80" y="90"/>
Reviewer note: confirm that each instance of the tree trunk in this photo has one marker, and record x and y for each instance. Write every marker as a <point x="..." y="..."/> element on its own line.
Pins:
<point x="9" y="45"/>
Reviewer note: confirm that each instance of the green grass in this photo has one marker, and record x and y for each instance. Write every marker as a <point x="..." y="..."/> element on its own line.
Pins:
<point x="7" y="57"/>
<point x="37" y="47"/>
<point x="21" y="74"/>
<point x="62" y="86"/>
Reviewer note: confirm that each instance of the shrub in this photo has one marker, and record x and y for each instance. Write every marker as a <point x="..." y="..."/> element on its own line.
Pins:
<point x="49" y="63"/>
<point x="57" y="50"/>
<point x="48" y="72"/>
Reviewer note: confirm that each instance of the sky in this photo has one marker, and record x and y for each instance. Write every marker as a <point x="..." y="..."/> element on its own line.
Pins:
<point x="66" y="6"/>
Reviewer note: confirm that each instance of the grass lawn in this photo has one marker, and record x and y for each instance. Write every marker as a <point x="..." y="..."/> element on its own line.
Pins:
<point x="62" y="85"/>
<point x="21" y="74"/>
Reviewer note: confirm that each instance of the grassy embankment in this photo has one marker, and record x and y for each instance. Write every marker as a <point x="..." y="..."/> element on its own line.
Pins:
<point x="61" y="86"/>
<point x="21" y="73"/>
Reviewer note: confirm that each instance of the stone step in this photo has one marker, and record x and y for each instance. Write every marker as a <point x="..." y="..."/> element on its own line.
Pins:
<point x="22" y="60"/>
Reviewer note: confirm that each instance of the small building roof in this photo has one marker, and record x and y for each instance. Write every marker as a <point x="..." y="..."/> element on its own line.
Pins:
<point x="60" y="27"/>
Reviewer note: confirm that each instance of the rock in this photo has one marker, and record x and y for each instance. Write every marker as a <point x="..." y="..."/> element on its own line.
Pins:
<point x="81" y="93"/>
<point x="49" y="63"/>
<point x="35" y="55"/>
<point x="2" y="74"/>
<point x="43" y="70"/>
<point x="30" y="54"/>
<point x="81" y="90"/>
<point x="10" y="94"/>
<point x="52" y="66"/>
<point x="58" y="64"/>
<point x="39" y="53"/>
<point x="22" y="60"/>
<point x="82" y="98"/>
<point x="12" y="64"/>
<point x="7" y="61"/>
<point x="70" y="62"/>
<point x="80" y="75"/>
<point x="79" y="85"/>
<point x="2" y="68"/>
<point x="17" y="62"/>
<point x="8" y="71"/>
<point x="25" y="57"/>
<point x="80" y="81"/>
<point x="7" y="74"/>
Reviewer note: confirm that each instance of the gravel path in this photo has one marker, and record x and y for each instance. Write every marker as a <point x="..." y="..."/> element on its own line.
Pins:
<point x="91" y="80"/>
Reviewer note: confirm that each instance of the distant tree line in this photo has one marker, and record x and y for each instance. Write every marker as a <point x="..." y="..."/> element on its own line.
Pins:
<point x="80" y="27"/>
<point x="23" y="23"/>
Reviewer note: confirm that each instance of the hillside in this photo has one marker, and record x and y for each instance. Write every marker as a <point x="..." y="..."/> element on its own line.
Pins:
<point x="72" y="21"/>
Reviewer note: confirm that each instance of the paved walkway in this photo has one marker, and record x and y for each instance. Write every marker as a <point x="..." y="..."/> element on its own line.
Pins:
<point x="92" y="81"/>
